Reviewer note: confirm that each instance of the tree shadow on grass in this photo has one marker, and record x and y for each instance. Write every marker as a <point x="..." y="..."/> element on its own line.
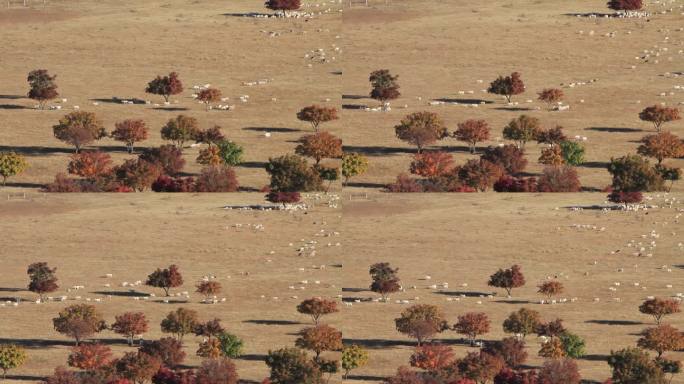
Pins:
<point x="13" y="289"/>
<point x="614" y="322"/>
<point x="23" y="185"/>
<point x="514" y="301"/>
<point x="514" y="109"/>
<point x="271" y="129"/>
<point x="171" y="109"/>
<point x="38" y="343"/>
<point x="354" y="106"/>
<point x="378" y="151"/>
<point x="465" y="293"/>
<point x="272" y="322"/>
<point x="12" y="97"/>
<point x="33" y="378"/>
<point x="594" y="164"/>
<point x="366" y="185"/>
<point x="354" y="97"/>
<point x="252" y="357"/>
<point x="365" y="378"/>
<point x="12" y="106"/>
<point x="245" y="14"/>
<point x="252" y="164"/>
<point x="594" y="357"/>
<point x="380" y="343"/>
<point x="613" y="129"/>
<point x="464" y="101"/>
<point x="122" y="293"/>
<point x="35" y="150"/>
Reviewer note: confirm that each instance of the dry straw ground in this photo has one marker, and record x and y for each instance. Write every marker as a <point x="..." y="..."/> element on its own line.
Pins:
<point x="101" y="49"/>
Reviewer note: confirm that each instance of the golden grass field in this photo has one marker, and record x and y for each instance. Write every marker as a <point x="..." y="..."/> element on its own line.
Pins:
<point x="104" y="49"/>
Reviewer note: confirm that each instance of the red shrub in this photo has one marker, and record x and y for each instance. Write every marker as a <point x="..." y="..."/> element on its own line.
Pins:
<point x="405" y="183"/>
<point x="509" y="157"/>
<point x="625" y="5"/>
<point x="515" y="184"/>
<point x="168" y="157"/>
<point x="217" y="179"/>
<point x="621" y="197"/>
<point x="432" y="164"/>
<point x="284" y="197"/>
<point x="166" y="183"/>
<point x="559" y="179"/>
<point x="432" y="357"/>
<point x="89" y="164"/>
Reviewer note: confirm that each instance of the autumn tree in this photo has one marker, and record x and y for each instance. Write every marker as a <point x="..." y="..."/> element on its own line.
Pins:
<point x="138" y="174"/>
<point x="421" y="322"/>
<point x="165" y="86"/>
<point x="508" y="86"/>
<point x="316" y="114"/>
<point x="130" y="131"/>
<point x="661" y="146"/>
<point x="551" y="329"/>
<point x="384" y="86"/>
<point x="384" y="279"/>
<point x="283" y="5"/>
<point x="659" y="115"/>
<point x="320" y="145"/>
<point x="316" y="308"/>
<point x="292" y="173"/>
<point x="168" y="157"/>
<point x="11" y="356"/>
<point x="180" y="130"/>
<point x="658" y="308"/>
<point x="208" y="288"/>
<point x="509" y="157"/>
<point x="209" y="349"/>
<point x="431" y="164"/>
<point x="633" y="173"/>
<point x="550" y="96"/>
<point x="551" y="136"/>
<point x="42" y="279"/>
<point x="167" y="349"/>
<point x="625" y="5"/>
<point x="421" y="129"/>
<point x="130" y="324"/>
<point x="90" y="357"/>
<point x="480" y="174"/>
<point x="320" y="338"/>
<point x="165" y="278"/>
<point x="42" y="86"/>
<point x="480" y="366"/>
<point x="634" y="366"/>
<point x="550" y="288"/>
<point x="11" y="164"/>
<point x="209" y="329"/>
<point x="208" y="96"/>
<point x="180" y="322"/>
<point x="353" y="164"/>
<point x="217" y="371"/>
<point x="138" y="367"/>
<point x="552" y="349"/>
<point x="210" y="136"/>
<point x="661" y="339"/>
<point x="79" y="321"/>
<point x="472" y="324"/>
<point x="89" y="164"/>
<point x="559" y="179"/>
<point x="217" y="178"/>
<point x="552" y="155"/>
<point x="79" y="128"/>
<point x="524" y="322"/>
<point x="432" y="357"/>
<point x="209" y="156"/>
<point x="292" y="366"/>
<point x="353" y="356"/>
<point x="507" y="279"/>
<point x="522" y="129"/>
<point x="510" y="349"/>
<point x="472" y="132"/>
<point x="510" y="376"/>
<point x="560" y="371"/>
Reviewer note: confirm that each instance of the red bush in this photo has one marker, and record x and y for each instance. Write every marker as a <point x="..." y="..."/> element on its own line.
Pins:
<point x="405" y="183"/>
<point x="559" y="179"/>
<point x="509" y="157"/>
<point x="625" y="5"/>
<point x="431" y="164"/>
<point x="166" y="183"/>
<point x="284" y="197"/>
<point x="217" y="179"/>
<point x="621" y="197"/>
<point x="515" y="184"/>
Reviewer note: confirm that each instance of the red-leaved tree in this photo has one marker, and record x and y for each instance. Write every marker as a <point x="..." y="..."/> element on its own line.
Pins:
<point x="472" y="132"/>
<point x="130" y="324"/>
